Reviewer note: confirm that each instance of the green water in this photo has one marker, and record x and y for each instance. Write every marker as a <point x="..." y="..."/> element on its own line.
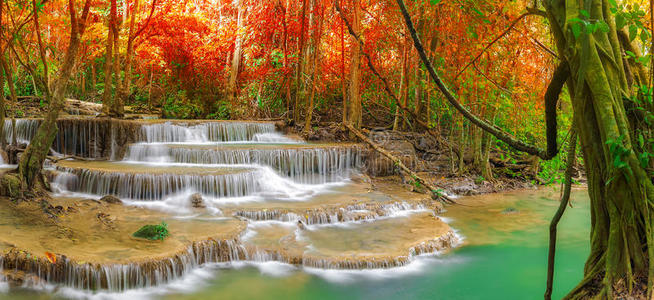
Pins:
<point x="504" y="257"/>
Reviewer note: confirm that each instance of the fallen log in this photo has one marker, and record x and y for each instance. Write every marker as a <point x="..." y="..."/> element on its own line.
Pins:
<point x="436" y="192"/>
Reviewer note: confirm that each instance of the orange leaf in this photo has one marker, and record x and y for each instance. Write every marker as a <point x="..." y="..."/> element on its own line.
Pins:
<point x="51" y="257"/>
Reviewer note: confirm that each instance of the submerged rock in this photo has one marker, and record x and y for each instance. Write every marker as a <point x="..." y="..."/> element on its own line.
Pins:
<point x="510" y="210"/>
<point x="111" y="199"/>
<point x="197" y="201"/>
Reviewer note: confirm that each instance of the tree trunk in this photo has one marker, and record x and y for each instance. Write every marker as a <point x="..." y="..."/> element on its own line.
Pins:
<point x="124" y="91"/>
<point x="118" y="106"/>
<point x="315" y="63"/>
<point x="287" y="84"/>
<point x="3" y="141"/>
<point x="12" y="93"/>
<point x="343" y="84"/>
<point x="354" y="109"/>
<point x="398" y="112"/>
<point x="31" y="162"/>
<point x="620" y="189"/>
<point x="107" y="102"/>
<point x="300" y="64"/>
<point x="232" y="89"/>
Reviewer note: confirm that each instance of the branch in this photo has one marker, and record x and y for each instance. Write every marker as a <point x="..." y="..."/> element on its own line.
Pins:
<point x="483" y="124"/>
<point x="37" y="31"/>
<point x="561" y="75"/>
<point x="565" y="198"/>
<point x="435" y="191"/>
<point x="474" y="65"/>
<point x="147" y="21"/>
<point x="493" y="41"/>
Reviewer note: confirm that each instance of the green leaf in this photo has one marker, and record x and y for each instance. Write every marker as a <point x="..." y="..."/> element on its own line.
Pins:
<point x="633" y="32"/>
<point x="619" y="21"/>
<point x="631" y="54"/>
<point x="644" y="36"/>
<point x="584" y="13"/>
<point x="613" y="3"/>
<point x="435" y="2"/>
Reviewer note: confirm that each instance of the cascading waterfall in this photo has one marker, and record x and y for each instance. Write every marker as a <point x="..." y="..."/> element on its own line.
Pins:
<point x="151" y="187"/>
<point x="121" y="277"/>
<point x="301" y="164"/>
<point x="205" y="132"/>
<point x="274" y="138"/>
<point x="25" y="129"/>
<point x="350" y="213"/>
<point x="87" y="137"/>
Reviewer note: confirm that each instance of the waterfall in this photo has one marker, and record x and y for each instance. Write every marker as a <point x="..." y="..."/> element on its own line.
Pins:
<point x="205" y="132"/>
<point x="152" y="272"/>
<point x="25" y="129"/>
<point x="323" y="216"/>
<point x="75" y="136"/>
<point x="120" y="277"/>
<point x="274" y="138"/>
<point x="300" y="164"/>
<point x="152" y="187"/>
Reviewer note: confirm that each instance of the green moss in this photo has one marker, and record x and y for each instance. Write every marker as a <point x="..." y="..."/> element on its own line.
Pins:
<point x="10" y="185"/>
<point x="153" y="232"/>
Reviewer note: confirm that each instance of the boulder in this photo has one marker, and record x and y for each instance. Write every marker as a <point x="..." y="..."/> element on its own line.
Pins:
<point x="111" y="199"/>
<point x="197" y="201"/>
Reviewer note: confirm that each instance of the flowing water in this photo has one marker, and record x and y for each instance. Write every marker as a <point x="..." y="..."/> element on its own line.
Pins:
<point x="313" y="231"/>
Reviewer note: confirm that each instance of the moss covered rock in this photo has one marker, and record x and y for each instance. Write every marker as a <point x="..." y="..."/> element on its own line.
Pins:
<point x="152" y="232"/>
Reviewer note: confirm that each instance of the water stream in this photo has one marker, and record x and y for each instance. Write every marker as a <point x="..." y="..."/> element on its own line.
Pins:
<point x="352" y="242"/>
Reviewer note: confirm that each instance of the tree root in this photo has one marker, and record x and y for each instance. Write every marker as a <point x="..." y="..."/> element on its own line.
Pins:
<point x="565" y="198"/>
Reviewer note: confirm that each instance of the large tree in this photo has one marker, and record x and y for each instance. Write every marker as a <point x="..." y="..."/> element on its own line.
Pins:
<point x="31" y="162"/>
<point x="614" y="125"/>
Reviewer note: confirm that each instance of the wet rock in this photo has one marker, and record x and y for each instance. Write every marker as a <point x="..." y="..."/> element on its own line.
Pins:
<point x="197" y="201"/>
<point x="20" y="279"/>
<point x="111" y="199"/>
<point x="4" y="156"/>
<point x="467" y="187"/>
<point x="106" y="220"/>
<point x="361" y="178"/>
<point x="510" y="210"/>
<point x="301" y="225"/>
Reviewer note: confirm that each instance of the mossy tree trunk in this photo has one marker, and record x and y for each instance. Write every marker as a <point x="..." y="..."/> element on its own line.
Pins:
<point x="31" y="162"/>
<point x="620" y="188"/>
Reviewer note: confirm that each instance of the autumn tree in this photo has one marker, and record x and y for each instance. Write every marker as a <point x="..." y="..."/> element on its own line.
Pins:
<point x="31" y="162"/>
